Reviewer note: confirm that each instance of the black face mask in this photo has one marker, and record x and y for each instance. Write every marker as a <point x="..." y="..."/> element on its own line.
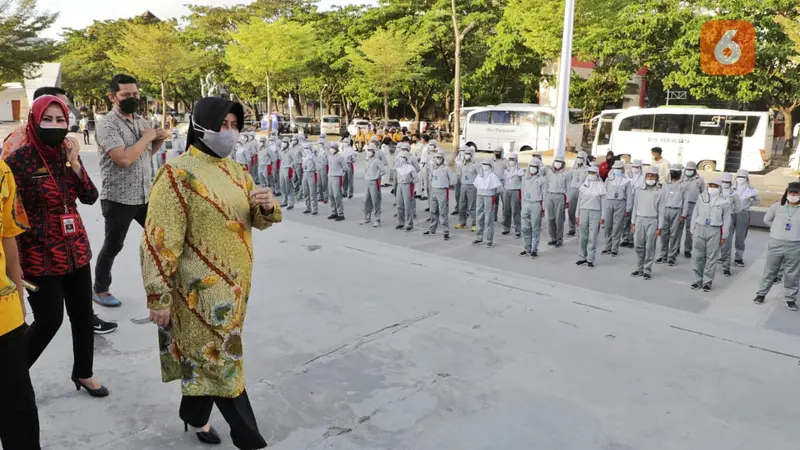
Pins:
<point x="51" y="137"/>
<point x="129" y="105"/>
<point x="675" y="175"/>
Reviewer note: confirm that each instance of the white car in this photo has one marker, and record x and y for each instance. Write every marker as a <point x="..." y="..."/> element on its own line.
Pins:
<point x="331" y="125"/>
<point x="355" y="124"/>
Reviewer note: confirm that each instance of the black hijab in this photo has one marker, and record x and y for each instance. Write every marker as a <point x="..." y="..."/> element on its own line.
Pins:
<point x="209" y="113"/>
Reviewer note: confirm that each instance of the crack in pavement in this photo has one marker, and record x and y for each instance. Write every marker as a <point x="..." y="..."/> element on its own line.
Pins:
<point x="755" y="347"/>
<point x="362" y="340"/>
<point x="517" y="288"/>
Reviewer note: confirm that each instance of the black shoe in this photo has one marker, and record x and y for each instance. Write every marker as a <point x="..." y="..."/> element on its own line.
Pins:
<point x="518" y="235"/>
<point x="308" y="211"/>
<point x="661" y="260"/>
<point x="571" y="233"/>
<point x="559" y="243"/>
<point x="551" y="243"/>
<point x="646" y="276"/>
<point x="687" y="254"/>
<point x="759" y="300"/>
<point x="339" y="218"/>
<point x="290" y="207"/>
<point x="332" y="216"/>
<point x="99" y="392"/>
<point x="626" y="244"/>
<point x="454" y="213"/>
<point x="695" y="286"/>
<point x="314" y="213"/>
<point x="707" y="288"/>
<point x="534" y="254"/>
<point x="636" y="273"/>
<point x="350" y="196"/>
<point x="424" y="198"/>
<point x="427" y="210"/>
<point x="399" y="227"/>
<point x="727" y="273"/>
<point x="206" y="437"/>
<point x="605" y="252"/>
<point x="792" y="306"/>
<point x="580" y="263"/>
<point x="671" y="263"/>
<point x="409" y="228"/>
<point x="102" y="327"/>
<point x="428" y="233"/>
<point x="505" y="233"/>
<point x="590" y="265"/>
<point x="523" y="253"/>
<point x="776" y="280"/>
<point x="739" y="263"/>
<point x="477" y="241"/>
<point x="614" y="254"/>
<point x="488" y="244"/>
<point x="446" y="237"/>
<point x="277" y="194"/>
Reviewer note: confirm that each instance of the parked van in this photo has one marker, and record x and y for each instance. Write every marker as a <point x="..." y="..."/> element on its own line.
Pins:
<point x="331" y="125"/>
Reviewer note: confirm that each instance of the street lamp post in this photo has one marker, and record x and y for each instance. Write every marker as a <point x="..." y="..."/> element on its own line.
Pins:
<point x="564" y="72"/>
<point x="321" y="109"/>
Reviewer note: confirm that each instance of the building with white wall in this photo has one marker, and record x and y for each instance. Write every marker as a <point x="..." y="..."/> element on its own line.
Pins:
<point x="12" y="100"/>
<point x="16" y="98"/>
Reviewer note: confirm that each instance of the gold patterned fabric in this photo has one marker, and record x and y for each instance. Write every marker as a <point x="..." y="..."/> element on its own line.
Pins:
<point x="197" y="260"/>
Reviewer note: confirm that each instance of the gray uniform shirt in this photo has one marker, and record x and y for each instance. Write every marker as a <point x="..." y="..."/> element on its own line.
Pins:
<point x="576" y="177"/>
<point x="593" y="202"/>
<point x="784" y="222"/>
<point x="648" y="202"/>
<point x="374" y="169"/>
<point x="442" y="177"/>
<point x="513" y="179"/>
<point x="694" y="186"/>
<point x="467" y="173"/>
<point x="534" y="187"/>
<point x="713" y="212"/>
<point x="620" y="189"/>
<point x="556" y="181"/>
<point x="336" y="165"/>
<point x="675" y="197"/>
<point x="130" y="185"/>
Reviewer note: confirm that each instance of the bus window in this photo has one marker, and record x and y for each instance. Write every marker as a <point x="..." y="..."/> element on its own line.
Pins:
<point x="604" y="138"/>
<point x="708" y="125"/>
<point x="501" y="117"/>
<point x="752" y="124"/>
<point x="526" y="119"/>
<point x="673" y="124"/>
<point x="481" y="117"/>
<point x="544" y="119"/>
<point x="637" y="123"/>
<point x="575" y="117"/>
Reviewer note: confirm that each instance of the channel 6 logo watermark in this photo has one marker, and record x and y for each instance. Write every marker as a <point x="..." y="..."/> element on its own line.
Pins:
<point x="727" y="47"/>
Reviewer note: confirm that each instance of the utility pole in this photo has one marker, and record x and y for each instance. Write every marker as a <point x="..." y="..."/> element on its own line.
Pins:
<point x="564" y="72"/>
<point x="459" y="37"/>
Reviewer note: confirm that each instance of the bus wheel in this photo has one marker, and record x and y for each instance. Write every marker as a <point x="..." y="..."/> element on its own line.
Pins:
<point x="707" y="166"/>
<point x="525" y="149"/>
<point x="471" y="144"/>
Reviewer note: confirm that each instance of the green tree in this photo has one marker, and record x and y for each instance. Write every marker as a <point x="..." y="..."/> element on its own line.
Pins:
<point x="265" y="54"/>
<point x="385" y="61"/>
<point x="21" y="48"/>
<point x="154" y="53"/>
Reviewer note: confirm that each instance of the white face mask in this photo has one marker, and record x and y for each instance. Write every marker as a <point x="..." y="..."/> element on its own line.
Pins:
<point x="486" y="169"/>
<point x="793" y="198"/>
<point x="713" y="191"/>
<point x="533" y="170"/>
<point x="650" y="182"/>
<point x="579" y="162"/>
<point x="558" y="165"/>
<point x="439" y="160"/>
<point x="636" y="170"/>
<point x="726" y="185"/>
<point x="468" y="157"/>
<point x="512" y="164"/>
<point x="333" y="151"/>
<point x="219" y="142"/>
<point x="690" y="173"/>
<point x="370" y="153"/>
<point x="741" y="181"/>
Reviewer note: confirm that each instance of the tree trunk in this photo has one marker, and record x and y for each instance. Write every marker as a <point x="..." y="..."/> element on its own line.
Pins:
<point x="786" y="111"/>
<point x="164" y="104"/>
<point x="417" y="115"/>
<point x="386" y="107"/>
<point x="269" y="106"/>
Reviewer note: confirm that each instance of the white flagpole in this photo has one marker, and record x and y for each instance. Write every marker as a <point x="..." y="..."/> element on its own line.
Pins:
<point x="564" y="73"/>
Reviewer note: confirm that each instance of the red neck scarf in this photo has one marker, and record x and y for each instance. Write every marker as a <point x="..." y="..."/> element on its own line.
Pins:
<point x="34" y="119"/>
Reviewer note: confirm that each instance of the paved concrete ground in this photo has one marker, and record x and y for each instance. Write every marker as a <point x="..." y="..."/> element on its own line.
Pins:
<point x="362" y="338"/>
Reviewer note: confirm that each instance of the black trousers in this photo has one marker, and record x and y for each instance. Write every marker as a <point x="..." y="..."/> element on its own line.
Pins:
<point x="55" y="292"/>
<point x="19" y="418"/>
<point x="237" y="412"/>
<point x="118" y="218"/>
<point x="86" y="137"/>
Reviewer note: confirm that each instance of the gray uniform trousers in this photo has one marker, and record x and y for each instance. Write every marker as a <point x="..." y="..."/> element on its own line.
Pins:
<point x="335" y="195"/>
<point x="485" y="218"/>
<point x="627" y="234"/>
<point x="645" y="243"/>
<point x="310" y="190"/>
<point x="615" y="223"/>
<point x="286" y="187"/>
<point x="322" y="185"/>
<point x="555" y="216"/>
<point x="687" y="238"/>
<point x="705" y="253"/>
<point x="739" y="228"/>
<point x="467" y="203"/>
<point x="590" y="228"/>
<point x="372" y="201"/>
<point x="531" y="225"/>
<point x="458" y="195"/>
<point x="440" y="209"/>
<point x="297" y="182"/>
<point x="496" y="206"/>
<point x="512" y="209"/>
<point x="572" y="196"/>
<point x="725" y="251"/>
<point x="405" y="204"/>
<point x="670" y="234"/>
<point x="275" y="179"/>
<point x="782" y="255"/>
<point x="349" y="179"/>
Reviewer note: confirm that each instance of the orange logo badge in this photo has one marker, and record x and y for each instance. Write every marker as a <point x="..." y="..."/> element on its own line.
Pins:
<point x="727" y="47"/>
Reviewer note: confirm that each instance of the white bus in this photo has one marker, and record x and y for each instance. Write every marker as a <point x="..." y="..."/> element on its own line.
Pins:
<point x="463" y="114"/>
<point x="597" y="138"/>
<point x="716" y="139"/>
<point x="530" y="127"/>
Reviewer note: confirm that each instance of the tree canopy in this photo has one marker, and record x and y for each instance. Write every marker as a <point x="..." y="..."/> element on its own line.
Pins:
<point x="21" y="48"/>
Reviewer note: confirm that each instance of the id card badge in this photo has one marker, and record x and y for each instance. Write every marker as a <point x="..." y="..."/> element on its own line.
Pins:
<point x="708" y="221"/>
<point x="69" y="225"/>
<point x="788" y="226"/>
<point x="616" y="194"/>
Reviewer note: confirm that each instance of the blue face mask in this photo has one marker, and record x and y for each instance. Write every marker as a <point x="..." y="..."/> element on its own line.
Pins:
<point x="618" y="172"/>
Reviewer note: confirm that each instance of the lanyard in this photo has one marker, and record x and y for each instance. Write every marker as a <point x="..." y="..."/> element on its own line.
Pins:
<point x="135" y="130"/>
<point x="793" y="210"/>
<point x="55" y="183"/>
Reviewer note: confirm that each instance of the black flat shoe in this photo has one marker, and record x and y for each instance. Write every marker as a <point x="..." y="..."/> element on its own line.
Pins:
<point x="206" y="437"/>
<point x="100" y="392"/>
